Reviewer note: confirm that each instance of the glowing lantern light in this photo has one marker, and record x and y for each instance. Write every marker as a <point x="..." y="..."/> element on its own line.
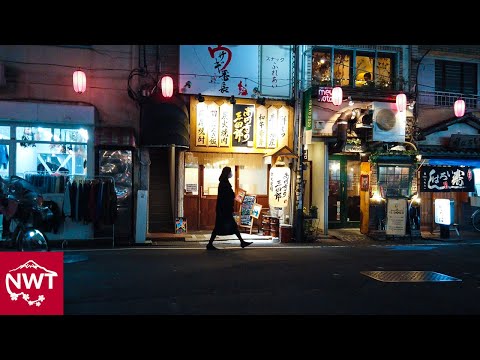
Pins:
<point x="167" y="86"/>
<point x="401" y="102"/>
<point x="337" y="96"/>
<point x="79" y="81"/>
<point x="459" y="108"/>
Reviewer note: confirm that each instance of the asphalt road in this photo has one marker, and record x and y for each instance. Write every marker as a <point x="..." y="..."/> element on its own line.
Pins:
<point x="300" y="280"/>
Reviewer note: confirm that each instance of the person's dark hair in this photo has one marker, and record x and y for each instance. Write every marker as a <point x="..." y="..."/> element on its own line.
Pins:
<point x="225" y="172"/>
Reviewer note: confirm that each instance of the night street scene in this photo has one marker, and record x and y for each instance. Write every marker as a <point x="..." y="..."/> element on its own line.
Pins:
<point x="242" y="179"/>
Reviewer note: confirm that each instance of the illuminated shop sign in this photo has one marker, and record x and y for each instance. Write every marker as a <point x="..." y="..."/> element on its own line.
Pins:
<point x="446" y="179"/>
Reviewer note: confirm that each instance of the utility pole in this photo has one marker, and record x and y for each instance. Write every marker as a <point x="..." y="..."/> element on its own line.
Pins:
<point x="298" y="97"/>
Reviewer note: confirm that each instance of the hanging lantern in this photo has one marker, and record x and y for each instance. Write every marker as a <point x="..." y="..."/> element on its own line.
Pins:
<point x="337" y="95"/>
<point x="279" y="186"/>
<point x="167" y="86"/>
<point x="401" y="102"/>
<point x="459" y="108"/>
<point x="79" y="81"/>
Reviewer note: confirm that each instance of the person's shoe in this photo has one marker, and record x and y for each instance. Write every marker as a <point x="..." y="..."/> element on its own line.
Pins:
<point x="244" y="244"/>
<point x="211" y="247"/>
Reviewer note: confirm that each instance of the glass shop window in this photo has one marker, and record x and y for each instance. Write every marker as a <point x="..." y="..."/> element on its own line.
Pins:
<point x="4" y="151"/>
<point x="191" y="180"/>
<point x="395" y="180"/>
<point x="321" y="68"/>
<point x="53" y="150"/>
<point x="210" y="179"/>
<point x="364" y="70"/>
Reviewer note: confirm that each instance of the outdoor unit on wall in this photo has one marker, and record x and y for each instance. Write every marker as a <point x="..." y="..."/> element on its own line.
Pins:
<point x="388" y="123"/>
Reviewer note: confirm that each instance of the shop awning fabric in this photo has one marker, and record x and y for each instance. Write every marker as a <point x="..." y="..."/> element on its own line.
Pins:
<point x="455" y="162"/>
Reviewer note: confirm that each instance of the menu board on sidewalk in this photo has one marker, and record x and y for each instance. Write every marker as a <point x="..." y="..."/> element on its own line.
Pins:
<point x="246" y="209"/>
<point x="396" y="217"/>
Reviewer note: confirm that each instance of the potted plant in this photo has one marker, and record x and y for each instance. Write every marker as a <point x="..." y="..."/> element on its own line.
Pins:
<point x="314" y="211"/>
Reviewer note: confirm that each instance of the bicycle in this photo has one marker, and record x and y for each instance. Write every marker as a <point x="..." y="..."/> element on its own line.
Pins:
<point x="476" y="219"/>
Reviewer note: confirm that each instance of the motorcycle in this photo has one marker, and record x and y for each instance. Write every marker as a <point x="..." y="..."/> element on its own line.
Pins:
<point x="21" y="204"/>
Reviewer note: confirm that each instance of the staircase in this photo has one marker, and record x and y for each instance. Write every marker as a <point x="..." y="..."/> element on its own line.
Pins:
<point x="160" y="209"/>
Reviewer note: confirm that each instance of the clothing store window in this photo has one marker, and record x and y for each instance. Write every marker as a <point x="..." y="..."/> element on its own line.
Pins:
<point x="53" y="150"/>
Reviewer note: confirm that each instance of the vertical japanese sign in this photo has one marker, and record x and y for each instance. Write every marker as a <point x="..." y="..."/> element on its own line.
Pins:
<point x="243" y="125"/>
<point x="261" y="130"/>
<point x="213" y="112"/>
<point x="202" y="123"/>
<point x="446" y="179"/>
<point x="272" y="127"/>
<point x="225" y="125"/>
<point x="307" y="113"/>
<point x="279" y="186"/>
<point x="276" y="65"/>
<point x="282" y="136"/>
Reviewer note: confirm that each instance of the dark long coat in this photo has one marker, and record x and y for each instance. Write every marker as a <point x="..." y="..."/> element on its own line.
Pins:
<point x="224" y="222"/>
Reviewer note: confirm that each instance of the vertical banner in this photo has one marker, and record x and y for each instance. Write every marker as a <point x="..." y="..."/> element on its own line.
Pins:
<point x="202" y="123"/>
<point x="307" y="114"/>
<point x="261" y="124"/>
<point x="272" y="127"/>
<point x="279" y="186"/>
<point x="225" y="125"/>
<point x="213" y="124"/>
<point x="282" y="126"/>
<point x="276" y="65"/>
<point x="243" y="116"/>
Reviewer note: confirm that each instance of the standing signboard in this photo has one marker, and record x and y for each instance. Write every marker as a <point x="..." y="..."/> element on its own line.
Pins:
<point x="396" y="216"/>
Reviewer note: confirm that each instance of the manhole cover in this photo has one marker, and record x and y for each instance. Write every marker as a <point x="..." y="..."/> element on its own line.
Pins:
<point x="68" y="259"/>
<point x="409" y="276"/>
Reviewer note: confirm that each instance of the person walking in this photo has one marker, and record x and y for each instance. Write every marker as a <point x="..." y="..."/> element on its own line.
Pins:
<point x="225" y="224"/>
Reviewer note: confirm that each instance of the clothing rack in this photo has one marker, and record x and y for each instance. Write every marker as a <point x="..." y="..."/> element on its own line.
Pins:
<point x="46" y="186"/>
<point x="96" y="177"/>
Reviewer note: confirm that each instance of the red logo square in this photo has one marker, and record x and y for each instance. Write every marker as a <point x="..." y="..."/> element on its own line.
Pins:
<point x="31" y="283"/>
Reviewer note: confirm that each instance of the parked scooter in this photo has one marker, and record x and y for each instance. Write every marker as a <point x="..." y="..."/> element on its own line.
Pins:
<point x="21" y="203"/>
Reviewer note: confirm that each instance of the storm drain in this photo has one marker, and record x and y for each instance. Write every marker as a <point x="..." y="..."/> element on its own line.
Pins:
<point x="68" y="259"/>
<point x="409" y="276"/>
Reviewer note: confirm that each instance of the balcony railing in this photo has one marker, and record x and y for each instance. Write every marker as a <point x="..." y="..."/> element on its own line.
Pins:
<point x="442" y="98"/>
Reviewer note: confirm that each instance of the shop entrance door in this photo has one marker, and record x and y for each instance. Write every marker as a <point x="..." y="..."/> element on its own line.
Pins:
<point x="343" y="191"/>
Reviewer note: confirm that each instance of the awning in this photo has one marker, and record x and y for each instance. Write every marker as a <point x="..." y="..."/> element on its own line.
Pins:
<point x="164" y="124"/>
<point x="455" y="162"/>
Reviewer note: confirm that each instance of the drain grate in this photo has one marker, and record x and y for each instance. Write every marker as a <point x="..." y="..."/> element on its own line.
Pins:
<point x="409" y="276"/>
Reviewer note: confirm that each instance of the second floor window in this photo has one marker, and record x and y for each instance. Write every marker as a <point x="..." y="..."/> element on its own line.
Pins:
<point x="352" y="68"/>
<point x="456" y="77"/>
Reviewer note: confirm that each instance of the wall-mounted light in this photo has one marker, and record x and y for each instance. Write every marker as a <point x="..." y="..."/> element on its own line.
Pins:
<point x="401" y="101"/>
<point x="232" y="100"/>
<point x="79" y="81"/>
<point x="167" y="86"/>
<point x="261" y="101"/>
<point x="200" y="97"/>
<point x="337" y="96"/>
<point x="459" y="108"/>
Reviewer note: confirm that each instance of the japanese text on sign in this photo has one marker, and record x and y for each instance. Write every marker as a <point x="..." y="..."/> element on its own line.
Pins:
<point x="451" y="178"/>
<point x="279" y="186"/>
<point x="243" y="124"/>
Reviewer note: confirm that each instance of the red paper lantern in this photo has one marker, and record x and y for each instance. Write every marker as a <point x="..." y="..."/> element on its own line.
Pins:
<point x="459" y="108"/>
<point x="79" y="81"/>
<point x="167" y="86"/>
<point x="401" y="102"/>
<point x="337" y="96"/>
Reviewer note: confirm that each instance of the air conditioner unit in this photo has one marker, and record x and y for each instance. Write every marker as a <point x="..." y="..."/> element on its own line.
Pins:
<point x="388" y="123"/>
